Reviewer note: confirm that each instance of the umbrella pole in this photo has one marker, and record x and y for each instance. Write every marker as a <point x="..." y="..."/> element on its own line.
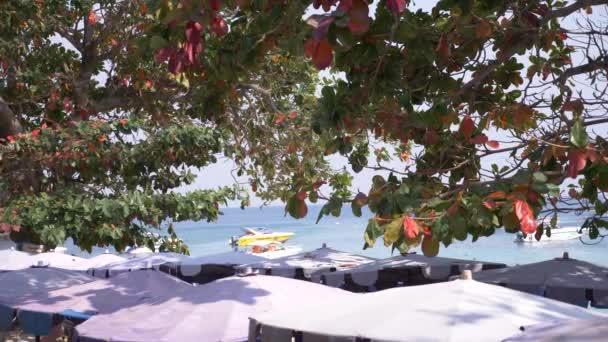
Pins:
<point x="466" y="275"/>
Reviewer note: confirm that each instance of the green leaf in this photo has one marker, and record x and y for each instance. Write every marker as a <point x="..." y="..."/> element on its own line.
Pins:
<point x="372" y="232"/>
<point x="356" y="209"/>
<point x="539" y="177"/>
<point x="392" y="231"/>
<point x="578" y="134"/>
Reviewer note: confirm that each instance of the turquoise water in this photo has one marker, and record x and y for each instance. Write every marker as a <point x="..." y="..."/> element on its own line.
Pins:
<point x="346" y="233"/>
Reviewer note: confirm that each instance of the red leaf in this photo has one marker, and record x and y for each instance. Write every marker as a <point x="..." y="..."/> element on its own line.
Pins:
<point x="480" y="139"/>
<point x="5" y="227"/>
<point x="10" y="138"/>
<point x="453" y="209"/>
<point x="345" y="5"/>
<point x="176" y="62"/>
<point x="359" y="20"/>
<point x="577" y="159"/>
<point x="321" y="52"/>
<point x="443" y="48"/>
<point x="410" y="227"/>
<point x="219" y="26"/>
<point x="526" y="216"/>
<point x="16" y="228"/>
<point x="301" y="195"/>
<point x="92" y="17"/>
<point x="35" y="132"/>
<point x="573" y="106"/>
<point x="431" y="137"/>
<point x="102" y="138"/>
<point x="280" y="119"/>
<point x="44" y="126"/>
<point x="292" y="115"/>
<point x="562" y="36"/>
<point x="492" y="144"/>
<point x="396" y="6"/>
<point x="123" y="121"/>
<point x="467" y="126"/>
<point x="592" y="153"/>
<point x="67" y="105"/>
<point x="163" y="54"/>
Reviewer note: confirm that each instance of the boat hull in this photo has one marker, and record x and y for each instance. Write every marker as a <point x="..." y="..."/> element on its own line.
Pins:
<point x="252" y="239"/>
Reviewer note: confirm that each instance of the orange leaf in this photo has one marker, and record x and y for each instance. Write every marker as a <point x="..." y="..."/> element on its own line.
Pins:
<point x="493" y="144"/>
<point x="526" y="216"/>
<point x="410" y="227"/>
<point x="92" y="17"/>
<point x="577" y="159"/>
<point x="489" y="204"/>
<point x="483" y="29"/>
<point x="301" y="195"/>
<point x="497" y="194"/>
<point x="467" y="126"/>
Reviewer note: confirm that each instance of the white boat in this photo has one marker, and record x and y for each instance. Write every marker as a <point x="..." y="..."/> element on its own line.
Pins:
<point x="271" y="249"/>
<point x="558" y="233"/>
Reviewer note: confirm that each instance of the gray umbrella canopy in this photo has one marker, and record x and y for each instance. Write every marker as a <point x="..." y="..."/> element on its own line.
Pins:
<point x="565" y="331"/>
<point x="411" y="269"/>
<point x="461" y="310"/>
<point x="217" y="311"/>
<point x="565" y="279"/>
<point x="207" y="268"/>
<point x="309" y="265"/>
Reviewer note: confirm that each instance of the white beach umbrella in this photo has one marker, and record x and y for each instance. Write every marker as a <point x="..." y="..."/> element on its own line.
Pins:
<point x="12" y="260"/>
<point x="104" y="259"/>
<point x="565" y="279"/>
<point x="151" y="261"/>
<point x="60" y="260"/>
<point x="217" y="311"/>
<point x="565" y="331"/>
<point x="461" y="310"/>
<point x="410" y="269"/>
<point x="309" y="265"/>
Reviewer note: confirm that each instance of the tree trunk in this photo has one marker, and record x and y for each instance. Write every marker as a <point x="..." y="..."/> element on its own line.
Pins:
<point x="8" y="122"/>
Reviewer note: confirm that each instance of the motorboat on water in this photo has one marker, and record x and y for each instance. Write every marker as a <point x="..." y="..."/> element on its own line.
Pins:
<point x="255" y="235"/>
<point x="558" y="233"/>
<point x="271" y="249"/>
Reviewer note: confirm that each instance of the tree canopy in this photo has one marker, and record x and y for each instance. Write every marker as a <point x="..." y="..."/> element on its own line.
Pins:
<point x="471" y="116"/>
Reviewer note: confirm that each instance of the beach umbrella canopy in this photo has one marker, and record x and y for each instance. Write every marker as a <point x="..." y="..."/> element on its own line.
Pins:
<point x="217" y="311"/>
<point x="151" y="261"/>
<point x="39" y="311"/>
<point x="565" y="279"/>
<point x="410" y="269"/>
<point x="103" y="260"/>
<point x="564" y="331"/>
<point x="12" y="260"/>
<point x="18" y="286"/>
<point x="460" y="310"/>
<point x="204" y="269"/>
<point x="309" y="265"/>
<point x="60" y="260"/>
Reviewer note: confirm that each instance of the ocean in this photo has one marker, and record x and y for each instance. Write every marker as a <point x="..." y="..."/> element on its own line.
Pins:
<point x="346" y="233"/>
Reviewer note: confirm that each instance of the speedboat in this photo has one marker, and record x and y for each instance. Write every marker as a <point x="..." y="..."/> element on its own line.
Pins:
<point x="271" y="249"/>
<point x="558" y="233"/>
<point x="256" y="234"/>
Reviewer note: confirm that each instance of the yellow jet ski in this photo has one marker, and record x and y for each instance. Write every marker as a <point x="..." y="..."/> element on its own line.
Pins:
<point x="254" y="234"/>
